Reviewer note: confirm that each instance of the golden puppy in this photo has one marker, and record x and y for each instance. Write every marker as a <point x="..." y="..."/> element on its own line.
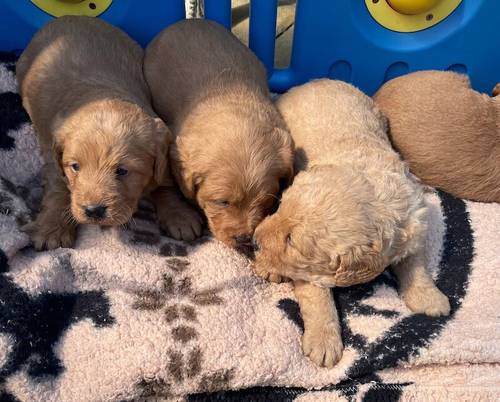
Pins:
<point x="82" y="84"/>
<point x="352" y="210"/>
<point x="448" y="133"/>
<point x="232" y="147"/>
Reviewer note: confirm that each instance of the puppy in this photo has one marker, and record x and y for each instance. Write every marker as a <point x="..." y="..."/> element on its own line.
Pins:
<point x="351" y="211"/>
<point x="82" y="84"/>
<point x="232" y="149"/>
<point x="448" y="133"/>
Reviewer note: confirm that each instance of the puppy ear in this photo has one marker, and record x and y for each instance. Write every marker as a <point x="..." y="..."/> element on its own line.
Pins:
<point x="57" y="154"/>
<point x="163" y="140"/>
<point x="285" y="151"/>
<point x="359" y="266"/>
<point x="187" y="179"/>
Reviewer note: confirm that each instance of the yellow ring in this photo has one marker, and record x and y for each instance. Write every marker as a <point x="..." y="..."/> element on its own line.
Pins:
<point x="410" y="15"/>
<point x="58" y="8"/>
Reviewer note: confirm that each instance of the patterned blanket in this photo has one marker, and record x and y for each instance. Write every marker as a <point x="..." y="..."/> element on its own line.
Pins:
<point x="130" y="315"/>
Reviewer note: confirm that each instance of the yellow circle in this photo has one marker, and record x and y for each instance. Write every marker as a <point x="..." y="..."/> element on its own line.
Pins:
<point x="412" y="7"/>
<point x="58" y="8"/>
<point x="434" y="11"/>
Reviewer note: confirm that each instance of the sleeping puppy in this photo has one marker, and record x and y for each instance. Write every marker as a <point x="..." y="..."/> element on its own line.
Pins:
<point x="232" y="149"/>
<point x="352" y="210"/>
<point x="82" y="84"/>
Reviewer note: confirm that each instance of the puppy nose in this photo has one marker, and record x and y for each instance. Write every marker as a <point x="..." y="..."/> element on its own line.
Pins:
<point x="95" y="211"/>
<point x="255" y="244"/>
<point x="243" y="239"/>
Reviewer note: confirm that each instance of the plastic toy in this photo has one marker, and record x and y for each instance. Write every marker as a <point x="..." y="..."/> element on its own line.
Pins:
<point x="364" y="42"/>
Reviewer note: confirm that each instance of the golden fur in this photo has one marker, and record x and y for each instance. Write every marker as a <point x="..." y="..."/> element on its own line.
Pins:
<point x="352" y="210"/>
<point x="232" y="147"/>
<point x="448" y="133"/>
<point x="81" y="82"/>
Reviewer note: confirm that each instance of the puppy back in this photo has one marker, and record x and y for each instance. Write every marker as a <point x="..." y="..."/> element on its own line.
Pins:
<point x="449" y="133"/>
<point x="194" y="57"/>
<point x="73" y="60"/>
<point x="323" y="114"/>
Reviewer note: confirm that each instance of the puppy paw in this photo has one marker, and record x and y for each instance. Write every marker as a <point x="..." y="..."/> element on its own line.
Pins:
<point x="428" y="300"/>
<point x="323" y="344"/>
<point x="268" y="276"/>
<point x="48" y="236"/>
<point x="184" y="225"/>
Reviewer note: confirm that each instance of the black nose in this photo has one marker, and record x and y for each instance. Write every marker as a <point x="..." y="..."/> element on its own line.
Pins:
<point x="95" y="211"/>
<point x="255" y="245"/>
<point x="243" y="239"/>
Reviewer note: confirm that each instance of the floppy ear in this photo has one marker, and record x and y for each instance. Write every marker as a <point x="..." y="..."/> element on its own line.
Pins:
<point x="57" y="154"/>
<point x="187" y="179"/>
<point x="286" y="147"/>
<point x="359" y="266"/>
<point x="163" y="140"/>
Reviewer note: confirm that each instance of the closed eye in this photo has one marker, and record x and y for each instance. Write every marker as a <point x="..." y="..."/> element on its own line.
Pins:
<point x="221" y="203"/>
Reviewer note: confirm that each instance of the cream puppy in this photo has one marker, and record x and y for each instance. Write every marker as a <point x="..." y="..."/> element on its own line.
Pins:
<point x="82" y="84"/>
<point x="352" y="210"/>
<point x="232" y="149"/>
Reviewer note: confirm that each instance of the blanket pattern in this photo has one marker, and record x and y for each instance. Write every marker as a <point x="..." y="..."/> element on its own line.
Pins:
<point x="131" y="315"/>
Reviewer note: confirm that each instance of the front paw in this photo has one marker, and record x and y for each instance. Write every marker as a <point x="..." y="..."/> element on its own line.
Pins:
<point x="268" y="276"/>
<point x="48" y="235"/>
<point x="184" y="225"/>
<point x="428" y="300"/>
<point x="323" y="344"/>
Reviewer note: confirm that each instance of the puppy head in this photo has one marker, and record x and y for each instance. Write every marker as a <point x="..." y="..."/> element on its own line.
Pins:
<point x="236" y="180"/>
<point x="322" y="232"/>
<point x="109" y="153"/>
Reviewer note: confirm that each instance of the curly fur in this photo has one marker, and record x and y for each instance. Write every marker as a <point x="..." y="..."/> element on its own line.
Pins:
<point x="352" y="210"/>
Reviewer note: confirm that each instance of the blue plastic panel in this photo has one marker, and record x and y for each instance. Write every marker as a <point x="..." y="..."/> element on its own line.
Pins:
<point x="339" y="39"/>
<point x="332" y="38"/>
<point x="142" y="19"/>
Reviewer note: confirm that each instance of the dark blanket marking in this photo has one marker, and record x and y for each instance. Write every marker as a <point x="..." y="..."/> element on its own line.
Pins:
<point x="37" y="323"/>
<point x="12" y="116"/>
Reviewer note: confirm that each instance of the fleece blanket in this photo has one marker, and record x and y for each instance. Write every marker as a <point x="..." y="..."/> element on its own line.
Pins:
<point x="131" y="315"/>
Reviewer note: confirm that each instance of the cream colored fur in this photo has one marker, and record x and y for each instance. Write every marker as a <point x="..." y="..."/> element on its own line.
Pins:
<point x="353" y="210"/>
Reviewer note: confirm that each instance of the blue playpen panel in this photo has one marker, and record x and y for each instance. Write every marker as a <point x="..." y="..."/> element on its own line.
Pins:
<point x="141" y="19"/>
<point x="332" y="38"/>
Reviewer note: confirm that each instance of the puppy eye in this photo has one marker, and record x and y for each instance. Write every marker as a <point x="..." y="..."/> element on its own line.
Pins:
<point x="121" y="171"/>
<point x="75" y="167"/>
<point x="222" y="203"/>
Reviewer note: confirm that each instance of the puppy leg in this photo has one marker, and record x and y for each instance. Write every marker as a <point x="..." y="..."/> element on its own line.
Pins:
<point x="322" y="340"/>
<point x="177" y="218"/>
<point x="417" y="288"/>
<point x="54" y="226"/>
